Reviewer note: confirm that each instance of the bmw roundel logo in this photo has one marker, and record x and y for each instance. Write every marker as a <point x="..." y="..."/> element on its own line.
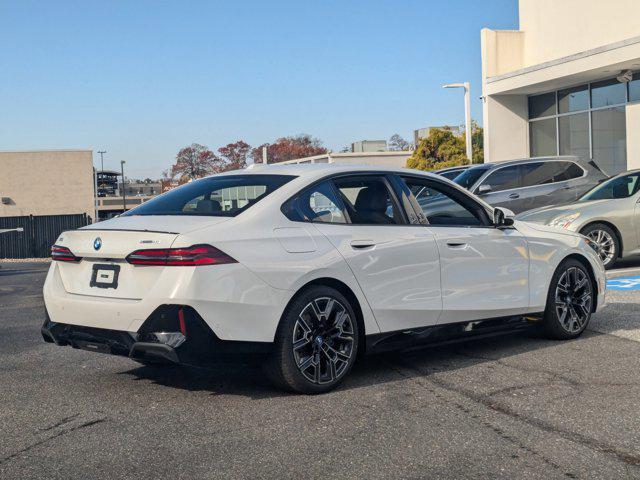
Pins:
<point x="97" y="243"/>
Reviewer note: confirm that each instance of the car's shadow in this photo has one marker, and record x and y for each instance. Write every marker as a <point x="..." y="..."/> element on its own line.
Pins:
<point x="371" y="370"/>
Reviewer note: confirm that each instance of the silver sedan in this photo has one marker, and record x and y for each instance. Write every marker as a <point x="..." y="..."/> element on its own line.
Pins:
<point x="609" y="214"/>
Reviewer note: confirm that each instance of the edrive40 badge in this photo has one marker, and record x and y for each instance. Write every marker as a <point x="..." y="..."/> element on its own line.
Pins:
<point x="97" y="243"/>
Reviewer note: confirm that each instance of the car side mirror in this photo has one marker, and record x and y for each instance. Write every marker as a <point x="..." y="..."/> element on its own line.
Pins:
<point x="503" y="217"/>
<point x="482" y="189"/>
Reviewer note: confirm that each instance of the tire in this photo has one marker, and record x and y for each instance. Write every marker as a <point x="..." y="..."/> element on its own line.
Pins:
<point x="316" y="343"/>
<point x="607" y="241"/>
<point x="569" y="302"/>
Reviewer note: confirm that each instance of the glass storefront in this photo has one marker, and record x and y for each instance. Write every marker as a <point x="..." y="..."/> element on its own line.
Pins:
<point x="588" y="121"/>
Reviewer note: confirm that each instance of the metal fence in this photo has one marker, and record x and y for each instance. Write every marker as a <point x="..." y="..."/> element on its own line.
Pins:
<point x="39" y="233"/>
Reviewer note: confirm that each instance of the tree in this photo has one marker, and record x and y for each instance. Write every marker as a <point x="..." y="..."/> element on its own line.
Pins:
<point x="477" y="142"/>
<point x="397" y="143"/>
<point x="195" y="161"/>
<point x="442" y="149"/>
<point x="290" y="148"/>
<point x="234" y="155"/>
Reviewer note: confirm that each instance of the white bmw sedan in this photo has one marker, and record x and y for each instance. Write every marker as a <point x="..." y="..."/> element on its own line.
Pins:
<point x="310" y="266"/>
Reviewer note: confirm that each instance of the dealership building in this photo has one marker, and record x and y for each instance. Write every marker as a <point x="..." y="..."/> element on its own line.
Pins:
<point x="567" y="82"/>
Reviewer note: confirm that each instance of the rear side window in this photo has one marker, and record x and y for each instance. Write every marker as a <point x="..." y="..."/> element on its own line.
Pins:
<point x="368" y="200"/>
<point x="542" y="173"/>
<point x="218" y="196"/>
<point x="504" y="178"/>
<point x="318" y="204"/>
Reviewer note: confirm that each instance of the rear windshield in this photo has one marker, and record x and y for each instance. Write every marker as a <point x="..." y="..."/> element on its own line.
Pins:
<point x="469" y="177"/>
<point x="221" y="196"/>
<point x="623" y="186"/>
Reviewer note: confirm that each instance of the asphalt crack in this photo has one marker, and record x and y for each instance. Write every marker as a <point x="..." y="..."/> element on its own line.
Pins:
<point x="487" y="401"/>
<point x="38" y="443"/>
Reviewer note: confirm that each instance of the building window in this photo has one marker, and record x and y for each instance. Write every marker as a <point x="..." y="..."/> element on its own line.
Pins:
<point x="543" y="137"/>
<point x="634" y="88"/>
<point x="610" y="139"/>
<point x="573" y="131"/>
<point x="607" y="93"/>
<point x="588" y="121"/>
<point x="573" y="99"/>
<point x="542" y="105"/>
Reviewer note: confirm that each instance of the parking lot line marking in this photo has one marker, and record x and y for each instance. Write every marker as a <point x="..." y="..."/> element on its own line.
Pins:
<point x="624" y="283"/>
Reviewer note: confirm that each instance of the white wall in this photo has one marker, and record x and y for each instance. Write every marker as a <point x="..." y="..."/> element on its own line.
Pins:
<point x="558" y="28"/>
<point x="506" y="135"/>
<point x="47" y="183"/>
<point x="633" y="136"/>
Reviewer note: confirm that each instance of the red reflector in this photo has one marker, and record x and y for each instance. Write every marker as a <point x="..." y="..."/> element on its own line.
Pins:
<point x="183" y="326"/>
<point x="195" y="255"/>
<point x="63" y="254"/>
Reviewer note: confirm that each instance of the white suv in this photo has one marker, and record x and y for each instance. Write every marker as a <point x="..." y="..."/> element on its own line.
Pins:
<point x="308" y="266"/>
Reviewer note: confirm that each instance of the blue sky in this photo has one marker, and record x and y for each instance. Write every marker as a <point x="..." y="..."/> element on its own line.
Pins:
<point x="143" y="78"/>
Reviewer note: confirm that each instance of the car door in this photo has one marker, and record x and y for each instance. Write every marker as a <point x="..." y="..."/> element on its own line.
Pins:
<point x="502" y="188"/>
<point x="484" y="270"/>
<point x="395" y="262"/>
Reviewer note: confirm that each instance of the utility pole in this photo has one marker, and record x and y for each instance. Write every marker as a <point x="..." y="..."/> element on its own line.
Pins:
<point x="265" y="160"/>
<point x="467" y="114"/>
<point x="102" y="152"/>
<point x="124" y="195"/>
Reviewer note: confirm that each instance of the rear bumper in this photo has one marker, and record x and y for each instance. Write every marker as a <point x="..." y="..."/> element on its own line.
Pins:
<point x="234" y="303"/>
<point x="198" y="347"/>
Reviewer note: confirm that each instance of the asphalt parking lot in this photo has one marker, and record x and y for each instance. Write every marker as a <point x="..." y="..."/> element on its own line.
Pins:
<point x="511" y="407"/>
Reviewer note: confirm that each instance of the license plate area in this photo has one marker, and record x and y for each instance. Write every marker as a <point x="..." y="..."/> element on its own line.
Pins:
<point x="104" y="276"/>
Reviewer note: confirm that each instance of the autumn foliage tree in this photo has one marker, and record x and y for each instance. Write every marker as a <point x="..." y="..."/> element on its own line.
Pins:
<point x="290" y="148"/>
<point x="193" y="162"/>
<point x="234" y="155"/>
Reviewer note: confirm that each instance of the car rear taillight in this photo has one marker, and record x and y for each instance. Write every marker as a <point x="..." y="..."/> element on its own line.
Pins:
<point x="63" y="254"/>
<point x="193" y="256"/>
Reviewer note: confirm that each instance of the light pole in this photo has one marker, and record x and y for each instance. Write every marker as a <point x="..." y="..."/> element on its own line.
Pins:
<point x="102" y="152"/>
<point x="124" y="195"/>
<point x="467" y="114"/>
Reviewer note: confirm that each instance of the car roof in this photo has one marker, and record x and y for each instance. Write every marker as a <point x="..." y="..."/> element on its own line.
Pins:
<point x="319" y="169"/>
<point x="457" y="167"/>
<point x="518" y="161"/>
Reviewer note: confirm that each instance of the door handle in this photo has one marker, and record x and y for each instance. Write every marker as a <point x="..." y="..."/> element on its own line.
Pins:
<point x="456" y="245"/>
<point x="514" y="195"/>
<point x="362" y="244"/>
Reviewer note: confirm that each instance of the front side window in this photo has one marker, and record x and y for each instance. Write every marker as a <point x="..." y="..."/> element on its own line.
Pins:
<point x="218" y="196"/>
<point x="439" y="207"/>
<point x="368" y="200"/>
<point x="617" y="187"/>
<point x="318" y="204"/>
<point x="504" y="178"/>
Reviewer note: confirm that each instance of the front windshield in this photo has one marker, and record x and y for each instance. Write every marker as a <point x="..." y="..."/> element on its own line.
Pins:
<point x="617" y="187"/>
<point x="468" y="178"/>
<point x="217" y="196"/>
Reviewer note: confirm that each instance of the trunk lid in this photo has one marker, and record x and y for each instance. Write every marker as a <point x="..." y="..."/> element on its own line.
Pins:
<point x="103" y="247"/>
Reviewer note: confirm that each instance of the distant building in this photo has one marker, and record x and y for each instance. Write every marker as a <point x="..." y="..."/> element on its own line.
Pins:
<point x="54" y="182"/>
<point x="567" y="82"/>
<point x="107" y="183"/>
<point x="424" y="132"/>
<point x="380" y="159"/>
<point x="141" y="189"/>
<point x="369" y="146"/>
